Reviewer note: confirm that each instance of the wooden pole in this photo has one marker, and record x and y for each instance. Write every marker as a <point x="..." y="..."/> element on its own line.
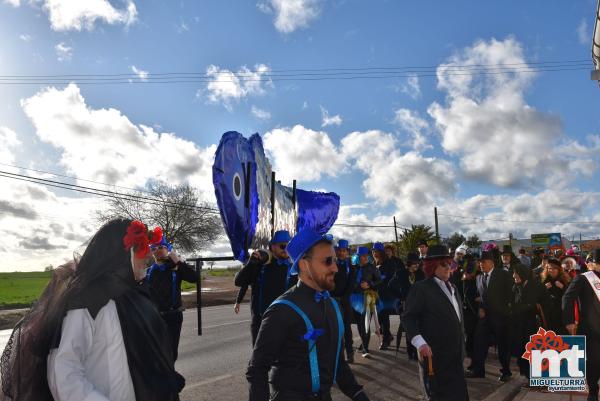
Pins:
<point x="437" y="230"/>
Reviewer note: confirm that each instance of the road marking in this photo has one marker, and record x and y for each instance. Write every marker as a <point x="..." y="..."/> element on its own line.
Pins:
<point x="207" y="381"/>
<point x="224" y="324"/>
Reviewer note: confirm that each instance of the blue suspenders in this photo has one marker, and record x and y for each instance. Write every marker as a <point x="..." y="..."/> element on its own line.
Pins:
<point x="312" y="346"/>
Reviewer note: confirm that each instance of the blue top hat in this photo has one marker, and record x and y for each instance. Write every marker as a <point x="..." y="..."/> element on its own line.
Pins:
<point x="302" y="242"/>
<point x="280" y="236"/>
<point x="378" y="246"/>
<point x="163" y="242"/>
<point x="343" y="244"/>
<point x="362" y="250"/>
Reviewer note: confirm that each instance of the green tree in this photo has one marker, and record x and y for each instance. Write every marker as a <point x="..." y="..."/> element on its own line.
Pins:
<point x="473" y="241"/>
<point x="455" y="240"/>
<point x="410" y="237"/>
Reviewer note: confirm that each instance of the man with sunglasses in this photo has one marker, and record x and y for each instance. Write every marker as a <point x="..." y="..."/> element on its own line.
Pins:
<point x="301" y="335"/>
<point x="164" y="279"/>
<point x="269" y="274"/>
<point x="434" y="326"/>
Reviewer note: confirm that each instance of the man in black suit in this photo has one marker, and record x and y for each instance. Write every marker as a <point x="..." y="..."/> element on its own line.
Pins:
<point x="344" y="284"/>
<point x="495" y="292"/>
<point x="585" y="288"/>
<point x="433" y="321"/>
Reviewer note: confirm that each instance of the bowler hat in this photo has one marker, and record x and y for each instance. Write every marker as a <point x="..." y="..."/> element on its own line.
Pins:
<point x="438" y="251"/>
<point x="486" y="255"/>
<point x="422" y="242"/>
<point x="507" y="249"/>
<point x="412" y="257"/>
<point x="302" y="242"/>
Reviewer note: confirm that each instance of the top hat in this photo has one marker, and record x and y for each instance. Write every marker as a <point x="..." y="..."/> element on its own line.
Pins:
<point x="595" y="256"/>
<point x="378" y="246"/>
<point x="302" y="242"/>
<point x="362" y="250"/>
<point x="343" y="244"/>
<point x="507" y="249"/>
<point x="437" y="251"/>
<point x="412" y="257"/>
<point x="280" y="236"/>
<point x="422" y="242"/>
<point x="486" y="255"/>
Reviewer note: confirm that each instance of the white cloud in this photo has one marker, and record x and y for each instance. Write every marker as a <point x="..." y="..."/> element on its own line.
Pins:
<point x="260" y="113"/>
<point x="14" y="3"/>
<point x="302" y="154"/>
<point x="25" y="38"/>
<point x="411" y="122"/>
<point x="63" y="52"/>
<point x="411" y="182"/>
<point x="104" y="145"/>
<point x="487" y="123"/>
<point x="330" y="120"/>
<point x="66" y="15"/>
<point x="142" y="75"/>
<point x="226" y="86"/>
<point x="411" y="87"/>
<point x="291" y="15"/>
<point x="8" y="144"/>
<point x="305" y="105"/>
<point x="583" y="33"/>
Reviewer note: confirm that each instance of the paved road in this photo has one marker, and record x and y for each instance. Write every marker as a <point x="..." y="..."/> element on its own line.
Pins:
<point x="214" y="364"/>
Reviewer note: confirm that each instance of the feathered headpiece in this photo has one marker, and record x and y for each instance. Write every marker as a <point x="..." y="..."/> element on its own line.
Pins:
<point x="140" y="238"/>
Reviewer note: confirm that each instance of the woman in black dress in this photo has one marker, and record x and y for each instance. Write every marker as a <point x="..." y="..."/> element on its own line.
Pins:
<point x="555" y="281"/>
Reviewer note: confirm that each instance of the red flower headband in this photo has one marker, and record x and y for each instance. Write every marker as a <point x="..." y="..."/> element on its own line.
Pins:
<point x="140" y="238"/>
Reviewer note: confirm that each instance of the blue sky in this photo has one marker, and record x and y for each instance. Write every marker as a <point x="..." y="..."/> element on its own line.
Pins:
<point x="515" y="145"/>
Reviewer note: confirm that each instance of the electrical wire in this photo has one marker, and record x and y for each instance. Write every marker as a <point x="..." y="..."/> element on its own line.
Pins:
<point x="519" y="221"/>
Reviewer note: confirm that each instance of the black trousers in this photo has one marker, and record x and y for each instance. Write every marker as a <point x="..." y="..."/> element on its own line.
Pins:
<point x="297" y="396"/>
<point x="346" y="309"/>
<point x="592" y="367"/>
<point x="255" y="326"/>
<point x="174" y="320"/>
<point x="487" y="329"/>
<point x="384" y="322"/>
<point x="470" y="321"/>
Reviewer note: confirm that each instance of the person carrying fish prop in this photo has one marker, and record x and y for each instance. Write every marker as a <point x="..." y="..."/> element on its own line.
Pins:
<point x="364" y="299"/>
<point x="164" y="279"/>
<point x="300" y="338"/>
<point x="270" y="275"/>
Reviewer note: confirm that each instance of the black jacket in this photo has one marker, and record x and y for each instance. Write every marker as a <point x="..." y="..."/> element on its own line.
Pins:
<point x="553" y="306"/>
<point x="344" y="279"/>
<point x="163" y="293"/>
<point x="524" y="321"/>
<point x="589" y="305"/>
<point x="387" y="270"/>
<point x="281" y="349"/>
<point x="496" y="300"/>
<point x="268" y="281"/>
<point x="428" y="312"/>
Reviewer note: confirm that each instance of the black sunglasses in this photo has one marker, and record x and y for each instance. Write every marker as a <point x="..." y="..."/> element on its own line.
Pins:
<point x="282" y="246"/>
<point x="329" y="260"/>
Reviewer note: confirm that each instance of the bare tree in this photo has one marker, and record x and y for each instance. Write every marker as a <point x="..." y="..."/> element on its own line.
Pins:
<point x="188" y="223"/>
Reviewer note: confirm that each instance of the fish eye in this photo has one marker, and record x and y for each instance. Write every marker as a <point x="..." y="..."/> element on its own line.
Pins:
<point x="237" y="186"/>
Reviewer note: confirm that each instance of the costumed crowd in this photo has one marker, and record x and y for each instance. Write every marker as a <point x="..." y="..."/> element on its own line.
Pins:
<point x="107" y="326"/>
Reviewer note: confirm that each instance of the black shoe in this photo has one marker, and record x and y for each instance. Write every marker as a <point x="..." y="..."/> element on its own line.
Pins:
<point x="504" y="378"/>
<point x="592" y="397"/>
<point x="471" y="374"/>
<point x="350" y="358"/>
<point x="384" y="347"/>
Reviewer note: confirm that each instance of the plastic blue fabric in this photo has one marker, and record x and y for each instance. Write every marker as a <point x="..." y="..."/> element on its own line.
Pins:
<point x="317" y="210"/>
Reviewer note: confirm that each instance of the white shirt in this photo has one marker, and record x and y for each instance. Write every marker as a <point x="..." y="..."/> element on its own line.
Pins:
<point x="418" y="340"/>
<point x="90" y="364"/>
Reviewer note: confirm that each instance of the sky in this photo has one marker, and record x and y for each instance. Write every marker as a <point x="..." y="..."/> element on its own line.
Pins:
<point x="483" y="109"/>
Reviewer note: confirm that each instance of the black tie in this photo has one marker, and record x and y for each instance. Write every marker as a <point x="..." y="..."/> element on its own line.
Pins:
<point x="449" y="287"/>
<point x="485" y="277"/>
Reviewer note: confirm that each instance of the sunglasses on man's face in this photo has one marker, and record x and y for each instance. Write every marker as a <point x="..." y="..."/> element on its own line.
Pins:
<point x="282" y="246"/>
<point x="328" y="261"/>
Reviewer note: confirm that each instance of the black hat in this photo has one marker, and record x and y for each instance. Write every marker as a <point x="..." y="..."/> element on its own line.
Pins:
<point x="523" y="271"/>
<point x="438" y="251"/>
<point x="486" y="255"/>
<point x="507" y="249"/>
<point x="596" y="255"/>
<point x="412" y="257"/>
<point x="554" y="261"/>
<point x="422" y="242"/>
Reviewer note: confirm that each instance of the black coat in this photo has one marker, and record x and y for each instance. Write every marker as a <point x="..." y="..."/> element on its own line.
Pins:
<point x="497" y="298"/>
<point x="589" y="316"/>
<point x="387" y="270"/>
<point x="344" y="279"/>
<point x="268" y="281"/>
<point x="524" y="314"/>
<point x="429" y="313"/>
<point x="553" y="307"/>
<point x="160" y="284"/>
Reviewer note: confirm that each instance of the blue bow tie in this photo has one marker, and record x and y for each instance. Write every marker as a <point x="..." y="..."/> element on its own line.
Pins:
<point x="321" y="295"/>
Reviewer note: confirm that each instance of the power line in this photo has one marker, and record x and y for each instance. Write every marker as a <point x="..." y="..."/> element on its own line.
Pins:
<point x="519" y="221"/>
<point x="100" y="192"/>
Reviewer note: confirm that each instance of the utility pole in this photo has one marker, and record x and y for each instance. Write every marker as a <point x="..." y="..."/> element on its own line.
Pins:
<point x="510" y="237"/>
<point x="437" y="230"/>
<point x="396" y="233"/>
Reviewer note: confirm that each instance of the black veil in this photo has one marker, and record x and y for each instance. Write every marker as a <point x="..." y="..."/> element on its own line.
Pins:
<point x="102" y="273"/>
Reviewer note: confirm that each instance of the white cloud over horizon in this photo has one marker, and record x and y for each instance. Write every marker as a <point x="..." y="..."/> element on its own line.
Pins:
<point x="226" y="86"/>
<point x="291" y="15"/>
<point x="82" y="15"/>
